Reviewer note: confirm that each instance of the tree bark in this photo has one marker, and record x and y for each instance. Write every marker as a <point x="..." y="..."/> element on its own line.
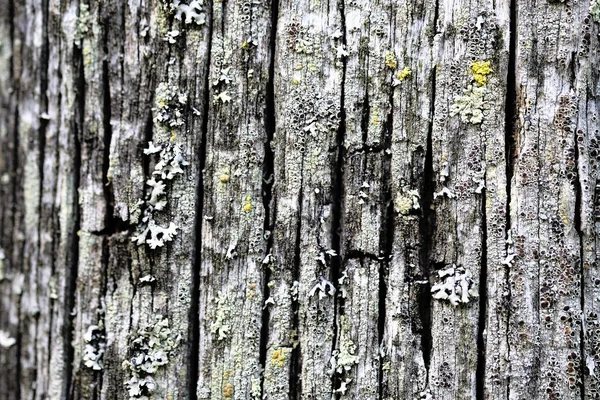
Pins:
<point x="299" y="199"/>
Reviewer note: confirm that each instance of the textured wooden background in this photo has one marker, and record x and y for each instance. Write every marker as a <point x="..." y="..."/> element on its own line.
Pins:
<point x="299" y="199"/>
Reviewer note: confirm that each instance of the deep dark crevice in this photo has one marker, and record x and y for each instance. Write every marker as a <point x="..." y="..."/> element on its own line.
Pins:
<point x="295" y="392"/>
<point x="111" y="223"/>
<point x="577" y="222"/>
<point x="365" y="148"/>
<point x="481" y="324"/>
<point x="426" y="230"/>
<point x="43" y="126"/>
<point x="267" y="187"/>
<point x="386" y="236"/>
<point x="73" y="254"/>
<point x="359" y="255"/>
<point x="98" y="377"/>
<point x="15" y="189"/>
<point x="337" y="203"/>
<point x="510" y="134"/>
<point x="148" y="129"/>
<point x="194" y="317"/>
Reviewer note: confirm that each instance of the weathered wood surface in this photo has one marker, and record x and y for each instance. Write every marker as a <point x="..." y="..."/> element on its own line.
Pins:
<point x="253" y="199"/>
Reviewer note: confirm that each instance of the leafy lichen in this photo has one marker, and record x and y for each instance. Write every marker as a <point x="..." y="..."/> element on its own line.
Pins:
<point x="405" y="73"/>
<point x="456" y="286"/>
<point x="150" y="350"/>
<point x="170" y="164"/>
<point x="95" y="345"/>
<point x="6" y="341"/>
<point x="83" y="21"/>
<point x="220" y="326"/>
<point x="390" y="60"/>
<point x="470" y="105"/>
<point x="192" y="10"/>
<point x="595" y="10"/>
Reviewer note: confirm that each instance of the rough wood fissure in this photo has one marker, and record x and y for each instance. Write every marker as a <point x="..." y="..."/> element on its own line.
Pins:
<point x="273" y="199"/>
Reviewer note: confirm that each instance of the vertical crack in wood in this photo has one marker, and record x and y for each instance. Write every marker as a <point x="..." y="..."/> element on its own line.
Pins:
<point x="295" y="392"/>
<point x="510" y="134"/>
<point x="14" y="190"/>
<point x="73" y="251"/>
<point x="267" y="189"/>
<point x="426" y="228"/>
<point x="386" y="236"/>
<point x="578" y="199"/>
<point x="43" y="125"/>
<point x="481" y="324"/>
<point x="194" y="313"/>
<point x="337" y="205"/>
<point x="111" y="224"/>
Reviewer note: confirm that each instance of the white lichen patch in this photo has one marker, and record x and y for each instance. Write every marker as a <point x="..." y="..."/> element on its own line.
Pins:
<point x="344" y="358"/>
<point x="95" y="345"/>
<point x="169" y="105"/>
<point x="170" y="164"/>
<point x="456" y="286"/>
<point x="5" y="340"/>
<point x="220" y="326"/>
<point x="426" y="395"/>
<point x="595" y="10"/>
<point x="192" y="10"/>
<point x="469" y="105"/>
<point x="83" y="21"/>
<point x="150" y="350"/>
<point x="407" y="201"/>
<point x="323" y="287"/>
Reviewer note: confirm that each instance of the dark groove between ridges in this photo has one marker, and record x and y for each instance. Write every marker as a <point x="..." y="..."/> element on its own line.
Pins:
<point x="482" y="318"/>
<point x="426" y="229"/>
<point x="510" y="132"/>
<point x="73" y="255"/>
<point x="14" y="189"/>
<point x="578" y="184"/>
<point x="268" y="178"/>
<point x="194" y="317"/>
<point x="337" y="202"/>
<point x="43" y="125"/>
<point x="386" y="237"/>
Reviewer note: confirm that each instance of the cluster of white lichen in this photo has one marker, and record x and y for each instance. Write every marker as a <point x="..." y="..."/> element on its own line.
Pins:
<point x="323" y="287"/>
<point x="150" y="350"/>
<point x="595" y="10"/>
<point x="426" y="395"/>
<point x="95" y="345"/>
<point x="171" y="161"/>
<point x="456" y="286"/>
<point x="83" y="21"/>
<point x="470" y="104"/>
<point x="220" y="326"/>
<point x="344" y="358"/>
<point x="6" y="341"/>
<point x="407" y="201"/>
<point x="193" y="10"/>
<point x="169" y="105"/>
